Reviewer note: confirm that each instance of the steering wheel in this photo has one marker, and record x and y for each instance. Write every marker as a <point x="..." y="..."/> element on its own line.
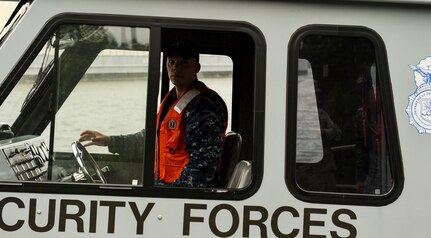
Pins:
<point x="81" y="155"/>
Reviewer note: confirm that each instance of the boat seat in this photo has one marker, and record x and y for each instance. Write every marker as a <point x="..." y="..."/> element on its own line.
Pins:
<point x="241" y="177"/>
<point x="229" y="158"/>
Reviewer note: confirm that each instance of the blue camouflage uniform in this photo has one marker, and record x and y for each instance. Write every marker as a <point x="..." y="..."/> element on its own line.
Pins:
<point x="206" y="120"/>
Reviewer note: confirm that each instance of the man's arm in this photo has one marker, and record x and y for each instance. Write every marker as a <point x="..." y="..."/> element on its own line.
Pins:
<point x="130" y="146"/>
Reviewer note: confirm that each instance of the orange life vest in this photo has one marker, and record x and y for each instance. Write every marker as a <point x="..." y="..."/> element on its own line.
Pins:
<point x="171" y="154"/>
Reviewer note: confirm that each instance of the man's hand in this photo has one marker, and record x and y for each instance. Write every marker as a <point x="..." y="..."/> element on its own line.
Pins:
<point x="94" y="138"/>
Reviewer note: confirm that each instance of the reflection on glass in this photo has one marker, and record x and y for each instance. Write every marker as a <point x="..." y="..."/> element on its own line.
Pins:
<point x="341" y="133"/>
<point x="309" y="147"/>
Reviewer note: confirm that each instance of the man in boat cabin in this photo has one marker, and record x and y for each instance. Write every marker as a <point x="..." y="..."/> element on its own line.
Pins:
<point x="191" y="124"/>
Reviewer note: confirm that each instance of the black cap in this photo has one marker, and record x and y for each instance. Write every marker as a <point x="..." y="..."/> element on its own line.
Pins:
<point x="185" y="48"/>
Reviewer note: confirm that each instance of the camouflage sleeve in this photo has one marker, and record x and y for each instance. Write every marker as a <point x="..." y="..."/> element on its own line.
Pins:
<point x="206" y="121"/>
<point x="128" y="146"/>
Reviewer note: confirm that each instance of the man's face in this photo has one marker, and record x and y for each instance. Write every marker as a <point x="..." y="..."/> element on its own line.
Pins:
<point x="181" y="72"/>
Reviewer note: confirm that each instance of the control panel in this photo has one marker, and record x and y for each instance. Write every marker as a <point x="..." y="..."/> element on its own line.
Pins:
<point x="27" y="158"/>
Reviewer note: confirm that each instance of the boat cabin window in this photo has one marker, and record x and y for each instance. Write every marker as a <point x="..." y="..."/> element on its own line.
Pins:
<point x="343" y="141"/>
<point x="89" y="77"/>
<point x="103" y="84"/>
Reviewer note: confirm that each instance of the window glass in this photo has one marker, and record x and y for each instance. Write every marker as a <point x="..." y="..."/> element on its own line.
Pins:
<point x="216" y="72"/>
<point x="24" y="149"/>
<point x="341" y="134"/>
<point x="7" y="29"/>
<point x="87" y="77"/>
<point x="109" y="97"/>
<point x="115" y="85"/>
<point x="309" y="147"/>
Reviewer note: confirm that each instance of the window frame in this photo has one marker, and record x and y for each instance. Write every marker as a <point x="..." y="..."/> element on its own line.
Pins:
<point x="387" y="106"/>
<point x="155" y="25"/>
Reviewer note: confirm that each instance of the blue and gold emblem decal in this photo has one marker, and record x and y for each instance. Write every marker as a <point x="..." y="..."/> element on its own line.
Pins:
<point x="419" y="108"/>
